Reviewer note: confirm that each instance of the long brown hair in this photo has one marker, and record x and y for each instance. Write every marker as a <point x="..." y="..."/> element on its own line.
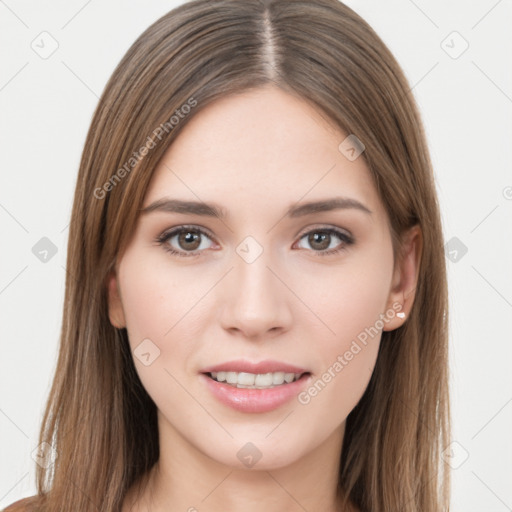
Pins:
<point x="321" y="51"/>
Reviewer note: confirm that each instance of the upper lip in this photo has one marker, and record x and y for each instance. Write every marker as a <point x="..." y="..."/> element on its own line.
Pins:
<point x="267" y="366"/>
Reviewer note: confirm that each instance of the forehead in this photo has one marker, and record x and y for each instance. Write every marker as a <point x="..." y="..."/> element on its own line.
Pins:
<point x="264" y="144"/>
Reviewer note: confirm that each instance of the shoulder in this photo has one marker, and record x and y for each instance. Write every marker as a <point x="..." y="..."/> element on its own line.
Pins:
<point x="24" y="505"/>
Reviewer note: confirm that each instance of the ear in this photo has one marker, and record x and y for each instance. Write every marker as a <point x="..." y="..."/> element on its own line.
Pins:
<point x="115" y="306"/>
<point x="405" y="277"/>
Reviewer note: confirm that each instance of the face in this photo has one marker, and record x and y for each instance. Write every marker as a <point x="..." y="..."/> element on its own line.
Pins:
<point x="266" y="279"/>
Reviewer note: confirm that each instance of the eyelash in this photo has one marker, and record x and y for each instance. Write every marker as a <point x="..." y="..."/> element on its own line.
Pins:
<point x="166" y="236"/>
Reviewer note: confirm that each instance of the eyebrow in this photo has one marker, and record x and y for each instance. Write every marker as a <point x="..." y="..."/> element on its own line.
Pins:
<point x="213" y="210"/>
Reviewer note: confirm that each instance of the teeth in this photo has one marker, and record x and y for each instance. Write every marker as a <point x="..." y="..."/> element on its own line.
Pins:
<point x="255" y="381"/>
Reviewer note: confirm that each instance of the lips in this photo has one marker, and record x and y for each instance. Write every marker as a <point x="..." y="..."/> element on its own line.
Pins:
<point x="255" y="400"/>
<point x="267" y="366"/>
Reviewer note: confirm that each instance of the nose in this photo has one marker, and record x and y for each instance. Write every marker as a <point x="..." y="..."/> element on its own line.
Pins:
<point x="255" y="300"/>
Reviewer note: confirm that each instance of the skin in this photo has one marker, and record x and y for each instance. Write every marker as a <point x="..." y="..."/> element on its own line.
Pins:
<point x="256" y="154"/>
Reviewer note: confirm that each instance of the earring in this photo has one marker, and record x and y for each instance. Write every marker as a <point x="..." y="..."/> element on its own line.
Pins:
<point x="401" y="314"/>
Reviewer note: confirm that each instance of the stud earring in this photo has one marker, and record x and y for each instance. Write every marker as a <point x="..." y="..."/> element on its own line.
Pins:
<point x="401" y="314"/>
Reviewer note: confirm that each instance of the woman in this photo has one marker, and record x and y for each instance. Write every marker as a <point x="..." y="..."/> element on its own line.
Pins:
<point x="256" y="300"/>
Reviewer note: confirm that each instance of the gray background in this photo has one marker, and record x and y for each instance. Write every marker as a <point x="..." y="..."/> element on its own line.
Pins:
<point x="466" y="102"/>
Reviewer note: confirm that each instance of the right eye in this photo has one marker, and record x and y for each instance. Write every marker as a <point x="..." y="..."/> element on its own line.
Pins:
<point x="184" y="239"/>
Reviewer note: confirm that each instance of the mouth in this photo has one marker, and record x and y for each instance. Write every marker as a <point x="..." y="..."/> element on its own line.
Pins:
<point x="246" y="380"/>
<point x="249" y="392"/>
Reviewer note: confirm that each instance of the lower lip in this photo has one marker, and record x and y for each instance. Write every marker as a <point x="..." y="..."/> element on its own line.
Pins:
<point x="255" y="400"/>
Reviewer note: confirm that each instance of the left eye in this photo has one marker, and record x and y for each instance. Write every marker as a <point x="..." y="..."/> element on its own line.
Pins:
<point x="321" y="240"/>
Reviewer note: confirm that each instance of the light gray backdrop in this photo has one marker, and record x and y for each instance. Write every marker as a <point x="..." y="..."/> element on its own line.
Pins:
<point x="56" y="57"/>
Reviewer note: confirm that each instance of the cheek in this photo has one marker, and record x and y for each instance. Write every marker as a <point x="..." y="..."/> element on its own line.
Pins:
<point x="351" y="305"/>
<point x="351" y="296"/>
<point x="345" y="362"/>
<point x="160" y="321"/>
<point x="165" y="314"/>
<point x="155" y="298"/>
